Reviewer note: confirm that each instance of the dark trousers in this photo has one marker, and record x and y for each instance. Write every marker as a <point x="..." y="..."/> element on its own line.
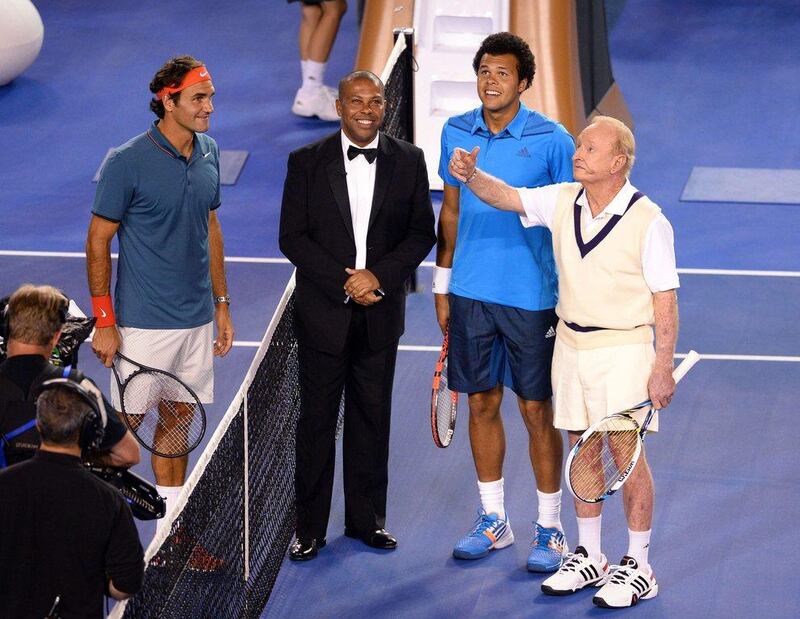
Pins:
<point x="366" y="377"/>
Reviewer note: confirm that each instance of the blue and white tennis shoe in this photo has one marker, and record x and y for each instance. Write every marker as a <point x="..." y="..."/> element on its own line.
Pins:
<point x="548" y="549"/>
<point x="490" y="532"/>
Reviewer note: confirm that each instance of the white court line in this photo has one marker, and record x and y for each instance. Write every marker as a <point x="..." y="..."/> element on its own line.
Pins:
<point x="743" y="272"/>
<point x="745" y="358"/>
<point x="428" y="264"/>
<point x="80" y="254"/>
<point x="411" y="348"/>
<point x="255" y="260"/>
<point x="712" y="357"/>
<point x="735" y="272"/>
<point x="46" y="254"/>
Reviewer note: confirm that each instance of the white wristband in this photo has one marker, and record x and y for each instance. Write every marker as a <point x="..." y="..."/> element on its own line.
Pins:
<point x="441" y="280"/>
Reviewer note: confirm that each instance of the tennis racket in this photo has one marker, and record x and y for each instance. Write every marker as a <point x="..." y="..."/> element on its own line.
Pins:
<point x="161" y="411"/>
<point x="444" y="403"/>
<point x="606" y="454"/>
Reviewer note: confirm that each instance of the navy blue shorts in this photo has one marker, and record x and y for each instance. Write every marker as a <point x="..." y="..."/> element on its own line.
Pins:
<point x="494" y="344"/>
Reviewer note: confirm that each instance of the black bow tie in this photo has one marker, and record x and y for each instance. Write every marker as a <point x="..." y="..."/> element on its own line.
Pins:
<point x="369" y="153"/>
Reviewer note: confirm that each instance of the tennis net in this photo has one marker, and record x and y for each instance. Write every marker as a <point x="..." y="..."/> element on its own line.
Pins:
<point x="235" y="516"/>
<point x="398" y="79"/>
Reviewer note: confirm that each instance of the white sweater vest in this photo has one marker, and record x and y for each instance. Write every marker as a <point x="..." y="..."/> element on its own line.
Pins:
<point x="601" y="284"/>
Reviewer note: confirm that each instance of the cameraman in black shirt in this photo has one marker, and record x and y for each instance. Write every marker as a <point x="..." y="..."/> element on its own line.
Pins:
<point x="64" y="533"/>
<point x="32" y="324"/>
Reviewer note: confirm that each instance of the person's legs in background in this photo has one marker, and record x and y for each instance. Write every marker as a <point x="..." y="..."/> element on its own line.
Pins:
<point x="318" y="28"/>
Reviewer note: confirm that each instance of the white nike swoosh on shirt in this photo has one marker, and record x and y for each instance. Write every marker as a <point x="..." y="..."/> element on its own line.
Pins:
<point x="204" y="73"/>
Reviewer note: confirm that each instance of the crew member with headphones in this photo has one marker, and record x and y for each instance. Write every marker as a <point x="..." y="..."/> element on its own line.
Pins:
<point x="32" y="324"/>
<point x="66" y="537"/>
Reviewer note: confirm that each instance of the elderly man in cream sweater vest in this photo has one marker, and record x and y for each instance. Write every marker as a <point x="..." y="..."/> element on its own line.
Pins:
<point x="617" y="282"/>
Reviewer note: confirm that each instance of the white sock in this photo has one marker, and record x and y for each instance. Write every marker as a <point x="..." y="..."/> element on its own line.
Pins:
<point x="313" y="74"/>
<point x="550" y="509"/>
<point x="639" y="548"/>
<point x="170" y="494"/>
<point x="304" y="70"/>
<point x="492" y="497"/>
<point x="589" y="535"/>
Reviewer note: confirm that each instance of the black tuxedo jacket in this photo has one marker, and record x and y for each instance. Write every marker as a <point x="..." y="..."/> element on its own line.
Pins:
<point x="316" y="234"/>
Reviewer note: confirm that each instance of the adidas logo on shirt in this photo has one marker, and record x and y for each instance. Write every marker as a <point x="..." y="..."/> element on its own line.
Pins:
<point x="550" y="333"/>
<point x="523" y="152"/>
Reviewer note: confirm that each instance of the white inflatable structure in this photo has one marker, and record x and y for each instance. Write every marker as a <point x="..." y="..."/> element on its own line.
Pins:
<point x="21" y="36"/>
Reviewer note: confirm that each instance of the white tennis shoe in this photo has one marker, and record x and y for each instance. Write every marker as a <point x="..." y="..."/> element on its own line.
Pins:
<point x="576" y="572"/>
<point x="628" y="584"/>
<point x="320" y="102"/>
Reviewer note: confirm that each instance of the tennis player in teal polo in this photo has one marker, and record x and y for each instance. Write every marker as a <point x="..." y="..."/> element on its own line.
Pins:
<point x="498" y="306"/>
<point x="158" y="193"/>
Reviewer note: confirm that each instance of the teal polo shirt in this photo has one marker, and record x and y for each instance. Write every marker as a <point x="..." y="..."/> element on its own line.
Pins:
<point x="162" y="203"/>
<point x="496" y="259"/>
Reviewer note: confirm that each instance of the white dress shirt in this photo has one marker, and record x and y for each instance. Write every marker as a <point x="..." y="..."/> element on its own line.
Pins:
<point x="658" y="253"/>
<point x="360" y="188"/>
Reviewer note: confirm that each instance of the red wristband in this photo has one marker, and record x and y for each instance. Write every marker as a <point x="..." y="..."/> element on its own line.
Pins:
<point x="103" y="310"/>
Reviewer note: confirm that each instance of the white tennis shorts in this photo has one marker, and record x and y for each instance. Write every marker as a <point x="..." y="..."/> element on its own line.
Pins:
<point x="590" y="384"/>
<point x="186" y="353"/>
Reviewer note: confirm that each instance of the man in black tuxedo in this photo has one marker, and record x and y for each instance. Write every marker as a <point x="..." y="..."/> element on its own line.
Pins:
<point x="356" y="220"/>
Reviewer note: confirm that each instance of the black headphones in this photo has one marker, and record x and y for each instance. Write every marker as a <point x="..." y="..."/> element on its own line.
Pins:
<point x="93" y="427"/>
<point x="4" y="321"/>
<point x="4" y="317"/>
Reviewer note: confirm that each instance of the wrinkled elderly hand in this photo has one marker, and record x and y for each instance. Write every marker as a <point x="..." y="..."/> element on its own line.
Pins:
<point x="462" y="164"/>
<point x="661" y="387"/>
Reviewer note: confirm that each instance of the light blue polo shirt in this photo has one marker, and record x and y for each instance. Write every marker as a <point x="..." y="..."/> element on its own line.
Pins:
<point x="162" y="203"/>
<point x="497" y="260"/>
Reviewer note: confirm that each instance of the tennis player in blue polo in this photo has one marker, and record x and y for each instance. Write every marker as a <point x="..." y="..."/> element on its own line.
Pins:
<point x="158" y="193"/>
<point x="495" y="286"/>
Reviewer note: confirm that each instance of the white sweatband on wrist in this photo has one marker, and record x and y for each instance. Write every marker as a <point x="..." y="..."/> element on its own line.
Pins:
<point x="441" y="280"/>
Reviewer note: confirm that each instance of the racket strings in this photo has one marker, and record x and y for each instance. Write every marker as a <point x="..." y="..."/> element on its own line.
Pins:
<point x="603" y="457"/>
<point x="446" y="405"/>
<point x="163" y="413"/>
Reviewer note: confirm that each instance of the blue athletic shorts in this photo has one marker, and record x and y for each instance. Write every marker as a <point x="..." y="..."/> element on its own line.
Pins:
<point x="494" y="344"/>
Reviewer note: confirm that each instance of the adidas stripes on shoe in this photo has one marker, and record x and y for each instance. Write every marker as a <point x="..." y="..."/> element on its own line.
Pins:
<point x="548" y="549"/>
<point x="490" y="532"/>
<point x="628" y="584"/>
<point x="576" y="572"/>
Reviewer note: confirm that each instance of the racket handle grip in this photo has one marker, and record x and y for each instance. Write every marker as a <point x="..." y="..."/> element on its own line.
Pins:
<point x="691" y="358"/>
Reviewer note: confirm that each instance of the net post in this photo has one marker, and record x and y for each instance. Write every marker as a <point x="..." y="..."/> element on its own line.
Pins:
<point x="408" y="35"/>
<point x="398" y="48"/>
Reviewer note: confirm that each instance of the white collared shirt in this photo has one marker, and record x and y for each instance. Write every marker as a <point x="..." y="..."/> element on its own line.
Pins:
<point x="658" y="253"/>
<point x="360" y="189"/>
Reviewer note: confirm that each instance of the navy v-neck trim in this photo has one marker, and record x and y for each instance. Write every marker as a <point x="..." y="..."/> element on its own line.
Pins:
<point x="585" y="248"/>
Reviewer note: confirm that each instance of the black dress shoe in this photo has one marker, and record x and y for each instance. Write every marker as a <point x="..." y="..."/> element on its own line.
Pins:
<point x="305" y="549"/>
<point x="379" y="538"/>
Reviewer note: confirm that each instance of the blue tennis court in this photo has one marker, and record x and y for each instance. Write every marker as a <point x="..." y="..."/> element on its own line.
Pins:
<point x="711" y="85"/>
